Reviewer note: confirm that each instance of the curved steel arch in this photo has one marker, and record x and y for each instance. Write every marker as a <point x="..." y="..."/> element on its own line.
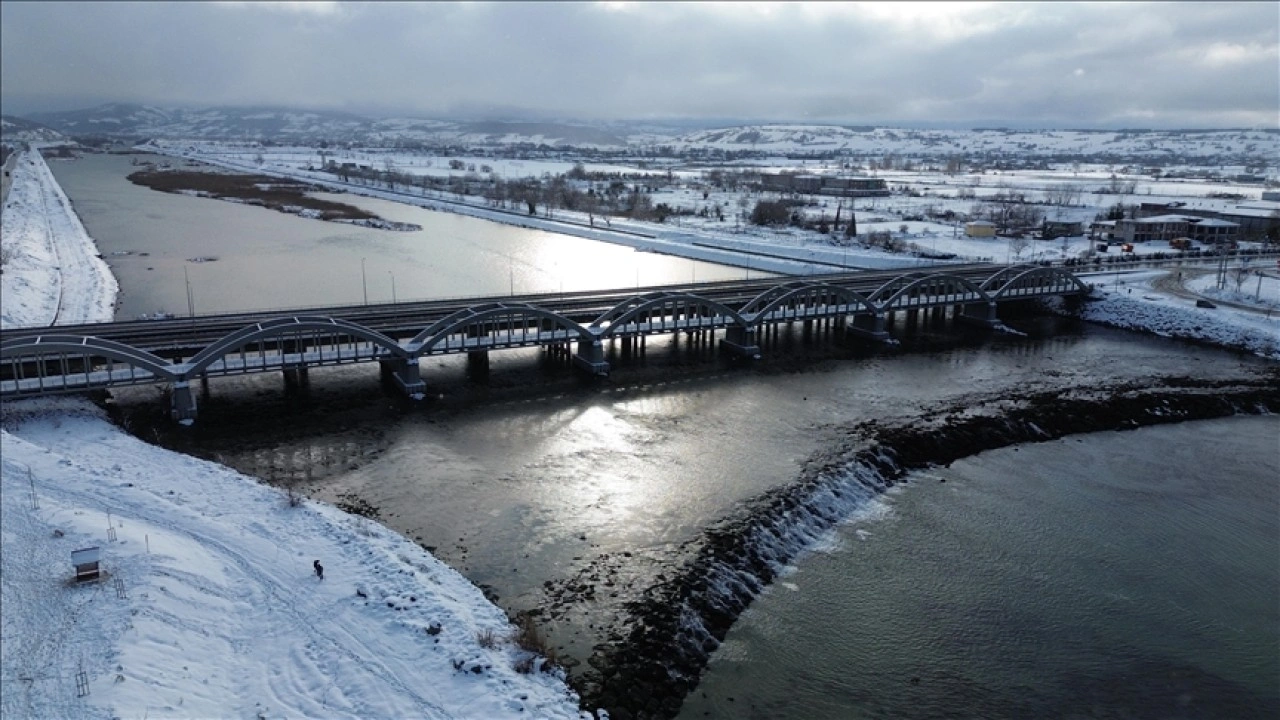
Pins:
<point x="628" y="309"/>
<point x="633" y="301"/>
<point x="999" y="278"/>
<point x="91" y="346"/>
<point x="853" y="297"/>
<point x="1053" y="273"/>
<point x="776" y="291"/>
<point x="892" y="286"/>
<point x="281" y="327"/>
<point x="425" y="341"/>
<point x="955" y="279"/>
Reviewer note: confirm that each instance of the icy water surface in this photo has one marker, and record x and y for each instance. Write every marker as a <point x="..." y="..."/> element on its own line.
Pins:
<point x="1115" y="575"/>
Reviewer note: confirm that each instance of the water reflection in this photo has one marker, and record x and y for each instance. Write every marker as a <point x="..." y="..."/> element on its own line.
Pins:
<point x="266" y="259"/>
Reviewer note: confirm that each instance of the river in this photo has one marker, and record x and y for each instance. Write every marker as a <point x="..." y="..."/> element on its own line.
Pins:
<point x="572" y="498"/>
<point x="154" y="242"/>
<point x="1132" y="574"/>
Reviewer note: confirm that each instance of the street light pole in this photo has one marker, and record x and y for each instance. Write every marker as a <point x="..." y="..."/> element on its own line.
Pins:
<point x="393" y="286"/>
<point x="191" y="301"/>
<point x="364" y="285"/>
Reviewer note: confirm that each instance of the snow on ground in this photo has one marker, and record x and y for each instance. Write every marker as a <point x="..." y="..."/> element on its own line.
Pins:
<point x="1149" y="301"/>
<point x="52" y="272"/>
<point x="209" y="606"/>
<point x="1259" y="288"/>
<point x="223" y="615"/>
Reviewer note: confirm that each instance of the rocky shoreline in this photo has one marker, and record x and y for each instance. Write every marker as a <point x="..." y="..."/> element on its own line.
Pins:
<point x="647" y="668"/>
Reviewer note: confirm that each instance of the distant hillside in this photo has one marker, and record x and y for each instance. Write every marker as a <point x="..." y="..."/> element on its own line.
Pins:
<point x="1260" y="146"/>
<point x="16" y="129"/>
<point x="1252" y="148"/>
<point x="142" y="121"/>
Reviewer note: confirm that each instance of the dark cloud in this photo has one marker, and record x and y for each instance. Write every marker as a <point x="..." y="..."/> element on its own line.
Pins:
<point x="1063" y="64"/>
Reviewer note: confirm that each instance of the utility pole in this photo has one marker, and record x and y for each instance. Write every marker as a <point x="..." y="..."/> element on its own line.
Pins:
<point x="191" y="301"/>
<point x="364" y="285"/>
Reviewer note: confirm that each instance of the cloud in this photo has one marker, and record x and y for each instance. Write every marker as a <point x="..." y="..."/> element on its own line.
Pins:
<point x="1071" y="64"/>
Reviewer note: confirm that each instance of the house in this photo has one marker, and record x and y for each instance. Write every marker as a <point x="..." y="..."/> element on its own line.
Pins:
<point x="980" y="229"/>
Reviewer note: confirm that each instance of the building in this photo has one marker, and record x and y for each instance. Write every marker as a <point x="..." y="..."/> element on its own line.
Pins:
<point x="1254" y="219"/>
<point x="1060" y="228"/>
<point x="824" y="185"/>
<point x="1208" y="231"/>
<point x="980" y="229"/>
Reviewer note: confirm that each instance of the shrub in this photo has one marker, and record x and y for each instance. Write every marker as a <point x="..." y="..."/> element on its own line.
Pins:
<point x="770" y="212"/>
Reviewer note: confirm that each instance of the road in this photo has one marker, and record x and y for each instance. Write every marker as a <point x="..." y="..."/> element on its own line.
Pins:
<point x="7" y="178"/>
<point x="1173" y="284"/>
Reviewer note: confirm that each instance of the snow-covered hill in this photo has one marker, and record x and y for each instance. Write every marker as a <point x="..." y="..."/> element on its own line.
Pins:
<point x="1262" y="145"/>
<point x="16" y="130"/>
<point x="1248" y="148"/>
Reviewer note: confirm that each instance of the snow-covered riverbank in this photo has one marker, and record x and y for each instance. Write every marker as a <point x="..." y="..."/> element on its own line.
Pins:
<point x="210" y="606"/>
<point x="52" y="271"/>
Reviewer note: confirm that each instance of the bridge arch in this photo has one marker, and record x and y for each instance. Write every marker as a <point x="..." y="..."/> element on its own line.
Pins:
<point x="941" y="284"/>
<point x="519" y="316"/>
<point x="770" y="301"/>
<point x="1001" y="276"/>
<point x="283" y="327"/>
<point x="1036" y="281"/>
<point x="894" y="285"/>
<point x="44" y="346"/>
<point x="643" y="305"/>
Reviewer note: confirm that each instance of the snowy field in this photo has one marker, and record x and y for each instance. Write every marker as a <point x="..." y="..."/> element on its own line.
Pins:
<point x="924" y="217"/>
<point x="209" y="606"/>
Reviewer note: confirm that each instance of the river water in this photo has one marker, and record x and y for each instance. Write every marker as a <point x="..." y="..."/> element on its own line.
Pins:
<point x="570" y="497"/>
<point x="1132" y="574"/>
<point x="267" y="259"/>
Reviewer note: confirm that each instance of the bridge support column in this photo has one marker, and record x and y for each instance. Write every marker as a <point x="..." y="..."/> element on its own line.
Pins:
<point x="295" y="378"/>
<point x="478" y="364"/>
<point x="182" y="403"/>
<point x="980" y="313"/>
<point x="741" y="341"/>
<point x="590" y="357"/>
<point x="870" y="326"/>
<point x="405" y="374"/>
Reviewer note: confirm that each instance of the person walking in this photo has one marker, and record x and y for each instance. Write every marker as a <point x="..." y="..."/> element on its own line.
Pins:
<point x="319" y="569"/>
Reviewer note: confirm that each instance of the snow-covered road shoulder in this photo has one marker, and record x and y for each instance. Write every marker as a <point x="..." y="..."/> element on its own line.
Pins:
<point x="222" y="615"/>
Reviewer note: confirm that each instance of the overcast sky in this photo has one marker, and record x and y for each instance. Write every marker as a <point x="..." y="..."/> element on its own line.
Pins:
<point x="1037" y="65"/>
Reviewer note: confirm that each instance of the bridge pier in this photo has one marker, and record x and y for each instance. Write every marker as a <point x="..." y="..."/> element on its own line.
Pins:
<point x="870" y="326"/>
<point x="296" y="378"/>
<point x="590" y="357"/>
<point x="182" y="403"/>
<point x="741" y="341"/>
<point x="478" y="364"/>
<point x="982" y="314"/>
<point x="406" y="375"/>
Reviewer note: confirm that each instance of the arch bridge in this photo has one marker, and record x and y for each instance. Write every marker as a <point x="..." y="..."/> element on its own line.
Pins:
<point x="33" y="363"/>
